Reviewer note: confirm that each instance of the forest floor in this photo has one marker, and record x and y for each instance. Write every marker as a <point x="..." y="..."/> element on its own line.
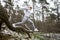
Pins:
<point x="34" y="36"/>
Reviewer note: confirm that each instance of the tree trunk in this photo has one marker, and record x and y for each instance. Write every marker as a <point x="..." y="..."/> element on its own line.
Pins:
<point x="33" y="13"/>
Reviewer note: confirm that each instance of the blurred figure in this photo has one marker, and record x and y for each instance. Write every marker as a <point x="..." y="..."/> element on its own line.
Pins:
<point x="27" y="11"/>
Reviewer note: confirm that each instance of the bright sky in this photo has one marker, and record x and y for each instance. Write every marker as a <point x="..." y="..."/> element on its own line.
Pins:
<point x="20" y="3"/>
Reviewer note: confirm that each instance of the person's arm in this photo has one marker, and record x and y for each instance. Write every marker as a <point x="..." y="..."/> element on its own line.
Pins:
<point x="23" y="8"/>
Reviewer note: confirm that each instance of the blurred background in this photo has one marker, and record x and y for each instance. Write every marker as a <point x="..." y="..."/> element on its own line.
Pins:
<point x="45" y="15"/>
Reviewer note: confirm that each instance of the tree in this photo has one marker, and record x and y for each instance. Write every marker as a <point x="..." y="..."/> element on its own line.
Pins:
<point x="56" y="3"/>
<point x="43" y="2"/>
<point x="33" y="10"/>
<point x="5" y="19"/>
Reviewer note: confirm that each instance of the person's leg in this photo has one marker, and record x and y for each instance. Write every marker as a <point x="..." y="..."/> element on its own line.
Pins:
<point x="22" y="22"/>
<point x="33" y="26"/>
